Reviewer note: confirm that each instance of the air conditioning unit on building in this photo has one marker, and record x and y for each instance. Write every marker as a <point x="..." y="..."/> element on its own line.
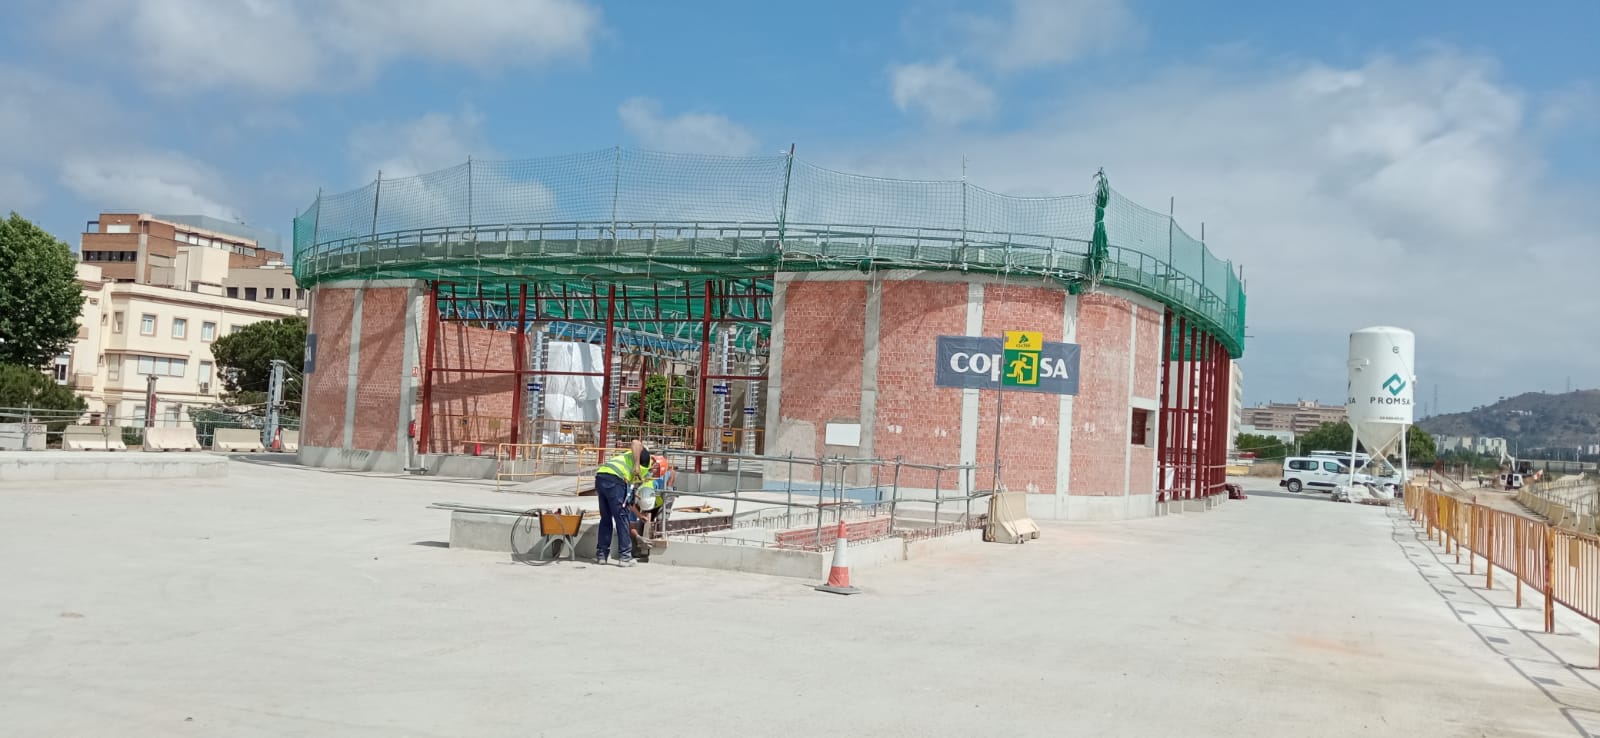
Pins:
<point x="205" y="388"/>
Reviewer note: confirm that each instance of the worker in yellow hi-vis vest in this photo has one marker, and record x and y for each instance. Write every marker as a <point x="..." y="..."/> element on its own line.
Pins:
<point x="614" y="483"/>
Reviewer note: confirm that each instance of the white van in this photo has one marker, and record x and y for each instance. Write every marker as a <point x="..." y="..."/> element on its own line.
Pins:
<point x="1320" y="473"/>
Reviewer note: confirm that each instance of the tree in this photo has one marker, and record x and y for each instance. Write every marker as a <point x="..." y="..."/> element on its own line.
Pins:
<point x="654" y="397"/>
<point x="1266" y="448"/>
<point x="245" y="358"/>
<point x="41" y="299"/>
<point x="44" y="400"/>
<point x="1336" y="437"/>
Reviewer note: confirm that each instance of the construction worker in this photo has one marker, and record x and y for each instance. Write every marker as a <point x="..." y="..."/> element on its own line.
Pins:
<point x="614" y="483"/>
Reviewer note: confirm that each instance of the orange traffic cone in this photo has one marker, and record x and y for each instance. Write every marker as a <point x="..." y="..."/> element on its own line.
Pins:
<point x="277" y="439"/>
<point x="839" y="576"/>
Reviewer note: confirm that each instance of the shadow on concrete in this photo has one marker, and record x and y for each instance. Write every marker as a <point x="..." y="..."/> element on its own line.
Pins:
<point x="432" y="544"/>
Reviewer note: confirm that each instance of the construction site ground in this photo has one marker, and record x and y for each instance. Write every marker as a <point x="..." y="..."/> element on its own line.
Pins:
<point x="285" y="601"/>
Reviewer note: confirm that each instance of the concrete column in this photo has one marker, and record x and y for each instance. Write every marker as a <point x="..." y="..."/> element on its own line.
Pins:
<point x="415" y="302"/>
<point x="353" y="370"/>
<point x="1069" y="334"/>
<point x="969" y="397"/>
<point x="869" y="372"/>
<point x="1127" y="446"/>
<point x="780" y="290"/>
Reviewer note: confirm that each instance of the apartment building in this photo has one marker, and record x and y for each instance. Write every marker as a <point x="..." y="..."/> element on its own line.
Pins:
<point x="129" y="332"/>
<point x="1298" y="418"/>
<point x="193" y="253"/>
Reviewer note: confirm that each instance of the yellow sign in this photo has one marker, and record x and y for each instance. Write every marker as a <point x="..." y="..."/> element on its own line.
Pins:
<point x="1024" y="340"/>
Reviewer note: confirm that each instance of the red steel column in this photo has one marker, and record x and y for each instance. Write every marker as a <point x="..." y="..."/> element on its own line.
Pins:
<point x="519" y="362"/>
<point x="1163" y="422"/>
<point x="1179" y="415"/>
<point x="605" y="385"/>
<point x="1224" y="404"/>
<point x="1202" y="398"/>
<point x="430" y="344"/>
<point x="1211" y="416"/>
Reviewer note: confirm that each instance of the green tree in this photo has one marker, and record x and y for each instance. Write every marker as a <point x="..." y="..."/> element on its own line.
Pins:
<point x="41" y="300"/>
<point x="27" y="387"/>
<point x="654" y="398"/>
<point x="1336" y="437"/>
<point x="1266" y="448"/>
<point x="244" y="358"/>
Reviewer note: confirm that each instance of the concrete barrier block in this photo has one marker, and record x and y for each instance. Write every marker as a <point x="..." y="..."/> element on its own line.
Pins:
<point x="291" y="441"/>
<point x="171" y="439"/>
<point x="237" y="439"/>
<point x="22" y="436"/>
<point x="93" y="438"/>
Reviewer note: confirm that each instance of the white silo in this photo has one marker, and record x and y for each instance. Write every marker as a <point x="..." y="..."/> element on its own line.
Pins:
<point x="1382" y="382"/>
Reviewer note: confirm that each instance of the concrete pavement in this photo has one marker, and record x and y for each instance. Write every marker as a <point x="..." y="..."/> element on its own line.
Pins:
<point x="284" y="601"/>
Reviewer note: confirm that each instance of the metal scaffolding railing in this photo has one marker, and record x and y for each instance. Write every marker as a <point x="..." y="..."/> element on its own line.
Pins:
<point x="628" y="215"/>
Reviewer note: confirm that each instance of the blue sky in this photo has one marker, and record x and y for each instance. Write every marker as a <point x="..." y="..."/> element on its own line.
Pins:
<point x="1426" y="164"/>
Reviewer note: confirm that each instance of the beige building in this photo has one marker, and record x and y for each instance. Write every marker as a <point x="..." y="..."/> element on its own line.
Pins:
<point x="191" y="253"/>
<point x="1298" y="418"/>
<point x="130" y="331"/>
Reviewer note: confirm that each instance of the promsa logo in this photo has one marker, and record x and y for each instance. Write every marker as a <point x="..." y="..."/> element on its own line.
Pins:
<point x="1394" y="385"/>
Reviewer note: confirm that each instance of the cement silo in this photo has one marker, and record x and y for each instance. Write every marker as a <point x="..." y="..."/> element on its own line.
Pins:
<point x="1382" y="382"/>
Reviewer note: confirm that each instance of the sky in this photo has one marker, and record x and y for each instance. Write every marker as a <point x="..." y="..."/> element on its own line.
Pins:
<point x="1428" y="164"/>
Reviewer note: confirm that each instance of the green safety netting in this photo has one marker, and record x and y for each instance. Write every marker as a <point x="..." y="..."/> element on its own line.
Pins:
<point x="634" y="216"/>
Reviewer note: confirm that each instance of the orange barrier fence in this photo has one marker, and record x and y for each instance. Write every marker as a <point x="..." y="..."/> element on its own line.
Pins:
<point x="526" y="461"/>
<point x="1562" y="566"/>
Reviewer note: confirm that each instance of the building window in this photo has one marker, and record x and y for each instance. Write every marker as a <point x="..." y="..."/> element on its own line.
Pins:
<point x="172" y="414"/>
<point x="180" y="328"/>
<point x="208" y="331"/>
<point x="205" y="372"/>
<point x="118" y="228"/>
<point x="138" y="416"/>
<point x="1140" y="427"/>
<point x="147" y="324"/>
<point x="250" y="293"/>
<point x="162" y="366"/>
<point x="116" y="322"/>
<point x="63" y="362"/>
<point x="272" y="293"/>
<point x="233" y="292"/>
<point x="300" y="294"/>
<point x="114" y="369"/>
<point x="232" y="329"/>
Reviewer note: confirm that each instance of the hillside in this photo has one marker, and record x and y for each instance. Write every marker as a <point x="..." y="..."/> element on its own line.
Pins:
<point x="1535" y="419"/>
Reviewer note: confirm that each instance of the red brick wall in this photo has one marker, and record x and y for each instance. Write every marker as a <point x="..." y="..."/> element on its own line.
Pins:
<point x="823" y="343"/>
<point x="1032" y="421"/>
<point x="383" y="334"/>
<point x="468" y="406"/>
<point x="325" y="387"/>
<point x="915" y="419"/>
<point x="806" y="538"/>
<point x="1146" y="384"/>
<point x="1100" y="414"/>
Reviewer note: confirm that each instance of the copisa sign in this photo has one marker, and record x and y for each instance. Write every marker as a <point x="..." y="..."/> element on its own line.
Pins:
<point x="979" y="362"/>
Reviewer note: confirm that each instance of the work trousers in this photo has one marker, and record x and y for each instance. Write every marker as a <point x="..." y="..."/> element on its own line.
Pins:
<point x="613" y="494"/>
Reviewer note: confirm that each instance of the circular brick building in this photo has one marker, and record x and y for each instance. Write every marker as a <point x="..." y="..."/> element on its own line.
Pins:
<point x="1073" y="347"/>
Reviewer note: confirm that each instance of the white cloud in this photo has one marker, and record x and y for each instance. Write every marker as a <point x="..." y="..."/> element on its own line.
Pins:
<point x="941" y="91"/>
<point x="703" y="133"/>
<point x="289" y="46"/>
<point x="1406" y="190"/>
<point x="1042" y="32"/>
<point x="424" y="144"/>
<point x="147" y="182"/>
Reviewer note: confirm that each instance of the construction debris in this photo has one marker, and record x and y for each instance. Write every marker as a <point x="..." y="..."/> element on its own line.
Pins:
<point x="697" y="509"/>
